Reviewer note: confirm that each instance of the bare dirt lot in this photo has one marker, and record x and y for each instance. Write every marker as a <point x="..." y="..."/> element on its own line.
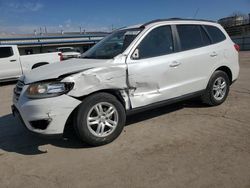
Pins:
<point x="182" y="145"/>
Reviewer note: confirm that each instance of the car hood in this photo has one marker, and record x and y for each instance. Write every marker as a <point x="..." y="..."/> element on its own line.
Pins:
<point x="60" y="69"/>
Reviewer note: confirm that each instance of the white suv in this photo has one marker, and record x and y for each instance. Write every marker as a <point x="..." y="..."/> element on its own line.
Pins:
<point x="134" y="68"/>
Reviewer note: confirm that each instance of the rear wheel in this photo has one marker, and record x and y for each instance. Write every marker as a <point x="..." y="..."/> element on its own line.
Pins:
<point x="100" y="119"/>
<point x="217" y="89"/>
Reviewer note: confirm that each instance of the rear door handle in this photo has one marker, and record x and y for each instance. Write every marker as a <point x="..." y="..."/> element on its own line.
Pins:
<point x="213" y="54"/>
<point x="175" y="64"/>
<point x="13" y="60"/>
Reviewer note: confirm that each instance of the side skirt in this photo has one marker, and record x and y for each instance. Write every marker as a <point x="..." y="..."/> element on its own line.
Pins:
<point x="165" y="102"/>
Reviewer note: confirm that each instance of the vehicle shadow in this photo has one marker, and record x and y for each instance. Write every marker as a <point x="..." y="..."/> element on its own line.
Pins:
<point x="149" y="114"/>
<point x="14" y="137"/>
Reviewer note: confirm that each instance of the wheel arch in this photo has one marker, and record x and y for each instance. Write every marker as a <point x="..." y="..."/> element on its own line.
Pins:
<point x="115" y="92"/>
<point x="228" y="71"/>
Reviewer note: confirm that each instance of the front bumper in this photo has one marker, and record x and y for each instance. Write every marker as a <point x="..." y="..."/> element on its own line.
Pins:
<point x="46" y="116"/>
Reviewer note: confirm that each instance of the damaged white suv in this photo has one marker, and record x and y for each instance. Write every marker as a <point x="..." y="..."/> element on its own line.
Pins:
<point x="133" y="68"/>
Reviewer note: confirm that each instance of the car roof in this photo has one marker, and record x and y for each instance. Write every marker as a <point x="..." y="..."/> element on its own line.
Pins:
<point x="185" y="20"/>
<point x="177" y="19"/>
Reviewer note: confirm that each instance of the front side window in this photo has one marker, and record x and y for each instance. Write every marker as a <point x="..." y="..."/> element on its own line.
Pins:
<point x="215" y="33"/>
<point x="114" y="44"/>
<point x="5" y="52"/>
<point x="192" y="36"/>
<point x="158" y="42"/>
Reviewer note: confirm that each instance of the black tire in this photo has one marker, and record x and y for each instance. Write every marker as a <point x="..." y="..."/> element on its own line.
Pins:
<point x="208" y="97"/>
<point x="80" y="119"/>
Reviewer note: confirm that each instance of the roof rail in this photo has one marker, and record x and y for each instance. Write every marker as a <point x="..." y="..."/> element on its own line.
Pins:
<point x="178" y="19"/>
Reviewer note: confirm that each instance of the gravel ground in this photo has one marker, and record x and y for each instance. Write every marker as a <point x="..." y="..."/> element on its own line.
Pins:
<point x="182" y="145"/>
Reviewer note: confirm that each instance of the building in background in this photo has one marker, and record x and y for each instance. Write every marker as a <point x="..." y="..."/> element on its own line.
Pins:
<point x="233" y="21"/>
<point x="238" y="28"/>
<point x="33" y="44"/>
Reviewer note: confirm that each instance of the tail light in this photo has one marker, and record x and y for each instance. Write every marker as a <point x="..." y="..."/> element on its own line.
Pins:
<point x="237" y="47"/>
<point x="61" y="57"/>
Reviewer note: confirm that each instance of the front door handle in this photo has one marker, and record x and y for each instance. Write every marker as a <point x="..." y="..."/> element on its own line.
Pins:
<point x="213" y="54"/>
<point x="13" y="60"/>
<point x="175" y="64"/>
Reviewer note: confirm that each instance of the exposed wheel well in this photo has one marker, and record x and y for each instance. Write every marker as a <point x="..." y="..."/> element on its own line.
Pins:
<point x="227" y="71"/>
<point x="114" y="92"/>
<point x="39" y="64"/>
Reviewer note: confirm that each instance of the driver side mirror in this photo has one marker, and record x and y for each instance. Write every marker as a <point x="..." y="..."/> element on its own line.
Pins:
<point x="136" y="54"/>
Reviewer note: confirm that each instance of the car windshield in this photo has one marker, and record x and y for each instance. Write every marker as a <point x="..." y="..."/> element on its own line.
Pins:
<point x="112" y="45"/>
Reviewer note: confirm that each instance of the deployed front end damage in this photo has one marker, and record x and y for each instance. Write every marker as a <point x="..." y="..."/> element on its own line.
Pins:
<point x="48" y="115"/>
<point x="97" y="79"/>
<point x="46" y="97"/>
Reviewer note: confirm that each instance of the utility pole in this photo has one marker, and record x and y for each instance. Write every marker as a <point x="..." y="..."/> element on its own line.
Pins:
<point x="41" y="31"/>
<point x="112" y="27"/>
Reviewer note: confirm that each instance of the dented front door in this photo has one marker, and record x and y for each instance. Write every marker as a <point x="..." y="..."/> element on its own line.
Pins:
<point x="152" y="80"/>
<point x="154" y="73"/>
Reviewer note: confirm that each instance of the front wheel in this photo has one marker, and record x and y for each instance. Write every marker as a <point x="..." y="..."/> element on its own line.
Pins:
<point x="217" y="89"/>
<point x="100" y="119"/>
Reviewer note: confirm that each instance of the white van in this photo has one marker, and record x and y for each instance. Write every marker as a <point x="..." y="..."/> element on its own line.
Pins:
<point x="132" y="69"/>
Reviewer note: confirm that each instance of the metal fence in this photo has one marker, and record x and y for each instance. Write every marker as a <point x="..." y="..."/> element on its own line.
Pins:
<point x="241" y="30"/>
<point x="243" y="41"/>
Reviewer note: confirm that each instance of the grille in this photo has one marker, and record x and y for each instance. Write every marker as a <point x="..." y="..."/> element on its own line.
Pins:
<point x="18" y="89"/>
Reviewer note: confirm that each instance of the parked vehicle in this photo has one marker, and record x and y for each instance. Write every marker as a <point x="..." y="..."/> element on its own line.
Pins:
<point x="133" y="69"/>
<point x="13" y="65"/>
<point x="69" y="52"/>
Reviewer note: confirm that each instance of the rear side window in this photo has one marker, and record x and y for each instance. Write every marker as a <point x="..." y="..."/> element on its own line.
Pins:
<point x="158" y="42"/>
<point x="192" y="36"/>
<point x="5" y="52"/>
<point x="215" y="33"/>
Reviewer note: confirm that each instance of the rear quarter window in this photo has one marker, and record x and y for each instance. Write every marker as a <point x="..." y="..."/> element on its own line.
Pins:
<point x="215" y="33"/>
<point x="5" y="52"/>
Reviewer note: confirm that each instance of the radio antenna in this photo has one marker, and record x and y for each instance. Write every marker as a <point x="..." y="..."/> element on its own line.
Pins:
<point x="196" y="12"/>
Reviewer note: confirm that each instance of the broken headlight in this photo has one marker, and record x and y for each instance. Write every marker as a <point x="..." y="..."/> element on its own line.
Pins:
<point x="45" y="90"/>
